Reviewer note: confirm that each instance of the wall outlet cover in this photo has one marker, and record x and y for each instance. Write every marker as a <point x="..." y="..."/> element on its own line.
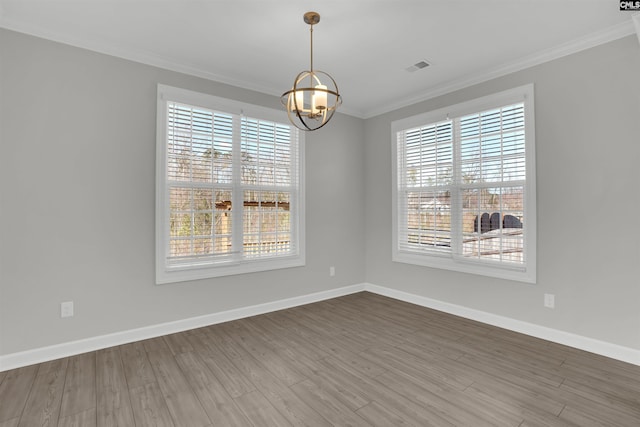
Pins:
<point x="66" y="309"/>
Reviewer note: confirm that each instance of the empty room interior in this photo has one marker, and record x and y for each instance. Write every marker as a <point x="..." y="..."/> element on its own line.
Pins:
<point x="272" y="213"/>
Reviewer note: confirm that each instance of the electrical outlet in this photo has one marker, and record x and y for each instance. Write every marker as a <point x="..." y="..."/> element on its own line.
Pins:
<point x="549" y="300"/>
<point x="66" y="309"/>
<point x="332" y="271"/>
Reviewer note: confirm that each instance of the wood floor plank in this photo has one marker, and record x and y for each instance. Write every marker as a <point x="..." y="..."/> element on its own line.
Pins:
<point x="317" y="319"/>
<point x="80" y="385"/>
<point x="272" y="388"/>
<point x="178" y="343"/>
<point x="415" y="318"/>
<point x="508" y="369"/>
<point x="420" y="342"/>
<point x="285" y="341"/>
<point x="233" y="381"/>
<point x="349" y="310"/>
<point x="294" y="409"/>
<point x="14" y="391"/>
<point x="200" y="342"/>
<point x="583" y="418"/>
<point x="625" y="400"/>
<point x="499" y="378"/>
<point x="411" y="412"/>
<point x="615" y="386"/>
<point x="314" y="351"/>
<point x="13" y="422"/>
<point x="184" y="406"/>
<point x="114" y="405"/>
<point x="603" y="409"/>
<point x="332" y="346"/>
<point x="137" y="369"/>
<point x="324" y="402"/>
<point x="43" y="406"/>
<point x="157" y="344"/>
<point x="262" y="353"/>
<point x="330" y="337"/>
<point x="526" y="341"/>
<point x="318" y="373"/>
<point x="530" y="356"/>
<point x="218" y="404"/>
<point x="409" y="315"/>
<point x="427" y="367"/>
<point x="534" y="398"/>
<point x="449" y="404"/>
<point x="149" y="407"/>
<point x="81" y="419"/>
<point x="300" y="330"/>
<point x="596" y="362"/>
<point x="260" y="411"/>
<point x="530" y="414"/>
<point x="378" y="416"/>
<point x="369" y="327"/>
<point x="546" y="420"/>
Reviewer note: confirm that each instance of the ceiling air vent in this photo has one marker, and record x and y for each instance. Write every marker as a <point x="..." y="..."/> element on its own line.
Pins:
<point x="417" y="66"/>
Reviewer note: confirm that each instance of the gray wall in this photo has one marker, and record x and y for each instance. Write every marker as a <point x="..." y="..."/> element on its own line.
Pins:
<point x="77" y="186"/>
<point x="587" y="111"/>
<point x="77" y="155"/>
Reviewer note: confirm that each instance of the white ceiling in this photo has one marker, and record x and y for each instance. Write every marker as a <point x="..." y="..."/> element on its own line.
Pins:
<point x="366" y="45"/>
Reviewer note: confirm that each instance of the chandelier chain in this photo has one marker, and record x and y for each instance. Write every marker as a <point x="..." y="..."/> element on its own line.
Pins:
<point x="311" y="37"/>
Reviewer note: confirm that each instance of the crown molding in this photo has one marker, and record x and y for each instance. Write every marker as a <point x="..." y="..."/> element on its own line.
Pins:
<point x="143" y="57"/>
<point x="591" y="40"/>
<point x="134" y="55"/>
<point x="148" y="58"/>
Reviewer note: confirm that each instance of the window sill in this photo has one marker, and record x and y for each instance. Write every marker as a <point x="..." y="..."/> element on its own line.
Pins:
<point x="183" y="274"/>
<point x="520" y="274"/>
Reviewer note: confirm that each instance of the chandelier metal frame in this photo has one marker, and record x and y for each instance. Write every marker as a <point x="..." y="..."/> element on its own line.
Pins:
<point x="310" y="103"/>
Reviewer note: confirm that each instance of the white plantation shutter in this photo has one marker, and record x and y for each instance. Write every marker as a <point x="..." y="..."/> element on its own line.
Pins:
<point x="492" y="183"/>
<point x="199" y="181"/>
<point x="425" y="156"/>
<point x="269" y="183"/>
<point x="229" y="188"/>
<point x="464" y="187"/>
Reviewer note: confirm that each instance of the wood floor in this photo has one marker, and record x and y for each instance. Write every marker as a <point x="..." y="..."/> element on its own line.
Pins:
<point x="357" y="360"/>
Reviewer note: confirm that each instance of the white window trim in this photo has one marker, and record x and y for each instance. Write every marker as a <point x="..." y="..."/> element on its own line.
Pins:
<point x="166" y="274"/>
<point x="449" y="262"/>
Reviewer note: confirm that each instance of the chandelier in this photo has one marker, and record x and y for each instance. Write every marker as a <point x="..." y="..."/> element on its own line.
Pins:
<point x="311" y="103"/>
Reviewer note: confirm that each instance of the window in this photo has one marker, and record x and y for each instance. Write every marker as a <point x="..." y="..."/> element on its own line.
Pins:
<point x="229" y="188"/>
<point x="464" y="187"/>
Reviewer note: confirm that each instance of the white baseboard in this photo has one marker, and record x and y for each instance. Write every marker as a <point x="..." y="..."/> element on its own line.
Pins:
<point x="602" y="348"/>
<point x="43" y="354"/>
